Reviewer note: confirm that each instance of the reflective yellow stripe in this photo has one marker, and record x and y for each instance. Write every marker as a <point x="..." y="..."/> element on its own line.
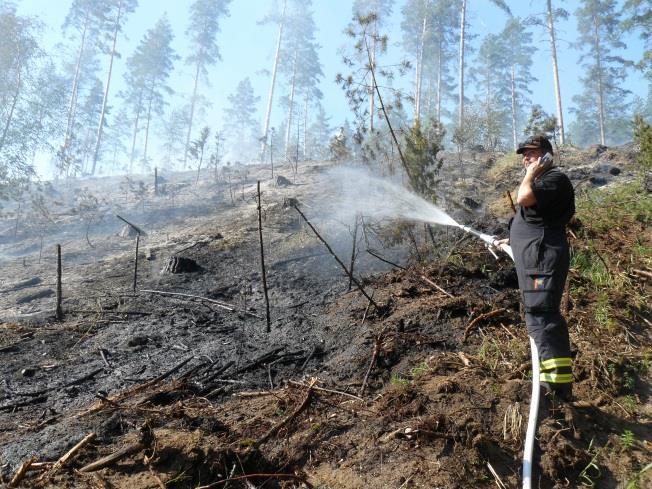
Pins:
<point x="556" y="363"/>
<point x="556" y="378"/>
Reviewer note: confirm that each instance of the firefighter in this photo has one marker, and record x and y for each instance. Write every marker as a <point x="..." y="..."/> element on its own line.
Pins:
<point x="546" y="203"/>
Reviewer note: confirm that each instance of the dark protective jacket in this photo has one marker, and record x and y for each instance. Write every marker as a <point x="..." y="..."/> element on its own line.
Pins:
<point x="541" y="255"/>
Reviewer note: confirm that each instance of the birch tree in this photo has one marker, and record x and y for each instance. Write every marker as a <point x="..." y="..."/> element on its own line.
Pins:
<point x="118" y="10"/>
<point x="603" y="100"/>
<point x="203" y="29"/>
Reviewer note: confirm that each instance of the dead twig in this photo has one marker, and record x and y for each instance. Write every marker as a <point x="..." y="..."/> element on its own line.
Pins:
<point x="69" y="455"/>
<point x="275" y="429"/>
<point x="433" y="284"/>
<point x="262" y="260"/>
<point x="330" y="250"/>
<point x="113" y="458"/>
<point x="20" y="473"/>
<point x="223" y="305"/>
<point x="258" y="476"/>
<point x="378" y="342"/>
<point x="481" y="317"/>
<point x="373" y="253"/>
<point x="323" y="389"/>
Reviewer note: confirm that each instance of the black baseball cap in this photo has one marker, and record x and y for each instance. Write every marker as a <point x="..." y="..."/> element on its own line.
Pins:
<point x="535" y="142"/>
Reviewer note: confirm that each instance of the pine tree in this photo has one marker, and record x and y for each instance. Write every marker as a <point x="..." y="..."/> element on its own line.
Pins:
<point x="149" y="68"/>
<point x="118" y="10"/>
<point x="85" y="20"/>
<point x="638" y="17"/>
<point x="318" y="135"/>
<point x="20" y="88"/>
<point x="240" y="127"/>
<point x="492" y="76"/>
<point x="299" y="63"/>
<point x="203" y="29"/>
<point x="603" y="101"/>
<point x="277" y="17"/>
<point x="462" y="53"/>
<point x="519" y="52"/>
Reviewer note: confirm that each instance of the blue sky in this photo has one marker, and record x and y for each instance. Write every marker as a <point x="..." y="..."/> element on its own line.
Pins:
<point x="248" y="48"/>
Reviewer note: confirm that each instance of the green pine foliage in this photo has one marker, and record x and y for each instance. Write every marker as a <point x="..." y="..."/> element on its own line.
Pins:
<point x="422" y="146"/>
<point x="643" y="136"/>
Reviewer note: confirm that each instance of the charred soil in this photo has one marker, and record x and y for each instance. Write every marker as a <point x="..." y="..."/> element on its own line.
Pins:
<point x="177" y="384"/>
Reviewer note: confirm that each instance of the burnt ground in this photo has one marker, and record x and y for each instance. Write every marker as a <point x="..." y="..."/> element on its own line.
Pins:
<point x="431" y="389"/>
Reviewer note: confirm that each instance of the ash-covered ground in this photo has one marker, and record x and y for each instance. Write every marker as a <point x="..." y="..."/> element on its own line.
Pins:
<point x="411" y="393"/>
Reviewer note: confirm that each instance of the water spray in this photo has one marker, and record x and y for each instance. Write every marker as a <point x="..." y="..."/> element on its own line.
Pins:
<point x="360" y="192"/>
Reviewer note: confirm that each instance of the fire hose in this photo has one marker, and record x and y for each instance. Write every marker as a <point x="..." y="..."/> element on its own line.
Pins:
<point x="528" y="449"/>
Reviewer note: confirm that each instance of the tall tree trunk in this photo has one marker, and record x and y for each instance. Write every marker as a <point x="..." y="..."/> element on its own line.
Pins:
<point x="270" y="98"/>
<point x="149" y="118"/>
<point x="419" y="70"/>
<point x="513" y="77"/>
<point x="288" y="128"/>
<point x="372" y="100"/>
<point x="75" y="87"/>
<point x="133" y="140"/>
<point x="100" y="127"/>
<point x="460" y="117"/>
<point x="305" y="127"/>
<point x="439" y="78"/>
<point x="555" y="73"/>
<point x="192" y="114"/>
<point x="598" y="59"/>
<point x="10" y="117"/>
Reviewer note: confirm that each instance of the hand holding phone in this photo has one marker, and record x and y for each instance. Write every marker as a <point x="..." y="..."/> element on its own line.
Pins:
<point x="536" y="168"/>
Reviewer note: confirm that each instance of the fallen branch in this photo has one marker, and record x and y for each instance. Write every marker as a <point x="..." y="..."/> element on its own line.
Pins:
<point x="330" y="250"/>
<point x="642" y="272"/>
<point x="481" y="317"/>
<point x="113" y="458"/>
<point x="69" y="455"/>
<point x="258" y="476"/>
<point x="433" y="284"/>
<point x="275" y="429"/>
<point x="378" y="342"/>
<point x="20" y="473"/>
<point x="323" y="389"/>
<point x="223" y="305"/>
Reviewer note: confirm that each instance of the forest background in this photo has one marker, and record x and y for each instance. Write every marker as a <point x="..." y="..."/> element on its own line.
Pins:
<point x="96" y="87"/>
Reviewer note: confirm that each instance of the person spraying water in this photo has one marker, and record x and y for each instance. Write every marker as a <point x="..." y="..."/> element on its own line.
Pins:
<point x="545" y="205"/>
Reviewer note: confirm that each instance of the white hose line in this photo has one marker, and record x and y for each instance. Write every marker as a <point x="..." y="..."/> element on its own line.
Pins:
<point x="532" y="419"/>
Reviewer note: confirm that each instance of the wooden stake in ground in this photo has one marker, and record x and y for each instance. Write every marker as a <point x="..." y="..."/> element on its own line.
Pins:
<point x="330" y="250"/>
<point x="136" y="261"/>
<point x="353" y="254"/>
<point x="262" y="260"/>
<point x="59" y="312"/>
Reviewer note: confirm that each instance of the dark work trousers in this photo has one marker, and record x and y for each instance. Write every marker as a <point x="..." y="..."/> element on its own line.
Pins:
<point x="542" y="259"/>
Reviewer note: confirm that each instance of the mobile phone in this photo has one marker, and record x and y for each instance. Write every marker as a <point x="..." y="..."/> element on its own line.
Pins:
<point x="546" y="159"/>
